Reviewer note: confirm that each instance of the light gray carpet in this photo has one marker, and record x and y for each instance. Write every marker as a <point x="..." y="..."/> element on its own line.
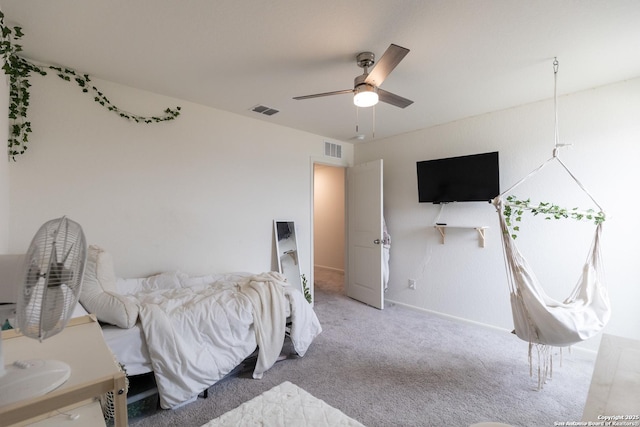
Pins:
<point x="399" y="367"/>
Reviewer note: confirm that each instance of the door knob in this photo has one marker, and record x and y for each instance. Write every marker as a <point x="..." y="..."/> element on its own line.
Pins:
<point x="377" y="241"/>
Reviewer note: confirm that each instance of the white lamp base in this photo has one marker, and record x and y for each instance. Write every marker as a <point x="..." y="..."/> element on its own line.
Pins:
<point x="25" y="379"/>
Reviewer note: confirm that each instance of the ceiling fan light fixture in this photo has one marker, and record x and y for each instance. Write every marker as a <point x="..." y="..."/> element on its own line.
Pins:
<point x="366" y="95"/>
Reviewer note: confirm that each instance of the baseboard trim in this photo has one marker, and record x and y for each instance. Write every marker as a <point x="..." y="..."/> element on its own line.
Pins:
<point x="585" y="351"/>
<point x="324" y="267"/>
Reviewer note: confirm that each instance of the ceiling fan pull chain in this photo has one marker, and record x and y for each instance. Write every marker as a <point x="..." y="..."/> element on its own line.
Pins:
<point x="373" y="125"/>
<point x="357" y="120"/>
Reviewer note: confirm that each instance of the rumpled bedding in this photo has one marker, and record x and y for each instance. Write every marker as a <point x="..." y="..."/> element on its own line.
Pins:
<point x="198" y="331"/>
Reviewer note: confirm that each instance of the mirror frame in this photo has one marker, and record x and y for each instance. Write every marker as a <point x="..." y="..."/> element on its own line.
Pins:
<point x="291" y="250"/>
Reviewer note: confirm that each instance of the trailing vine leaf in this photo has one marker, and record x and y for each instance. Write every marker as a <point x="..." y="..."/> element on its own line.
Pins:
<point x="515" y="208"/>
<point x="305" y="287"/>
<point x="83" y="82"/>
<point x="19" y="70"/>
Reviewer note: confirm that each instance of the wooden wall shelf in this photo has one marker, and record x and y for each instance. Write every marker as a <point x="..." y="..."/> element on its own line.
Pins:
<point x="479" y="228"/>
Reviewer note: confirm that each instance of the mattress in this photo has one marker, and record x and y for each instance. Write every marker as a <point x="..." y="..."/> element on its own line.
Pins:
<point x="285" y="405"/>
<point x="129" y="345"/>
<point x="129" y="348"/>
<point x="193" y="331"/>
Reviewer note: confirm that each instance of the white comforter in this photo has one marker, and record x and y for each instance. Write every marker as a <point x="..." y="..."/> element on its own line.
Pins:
<point x="199" y="332"/>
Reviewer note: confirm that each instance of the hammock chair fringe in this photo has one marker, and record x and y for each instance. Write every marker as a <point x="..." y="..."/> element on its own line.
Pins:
<point x="545" y="362"/>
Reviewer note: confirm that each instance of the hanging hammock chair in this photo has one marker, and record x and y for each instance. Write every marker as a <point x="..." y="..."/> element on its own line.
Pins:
<point x="545" y="322"/>
<point x="539" y="319"/>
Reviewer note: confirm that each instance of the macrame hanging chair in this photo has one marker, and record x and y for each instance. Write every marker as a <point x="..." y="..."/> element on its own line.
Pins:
<point x="539" y="319"/>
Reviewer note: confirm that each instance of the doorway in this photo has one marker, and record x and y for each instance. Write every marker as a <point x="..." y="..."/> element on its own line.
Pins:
<point x="329" y="227"/>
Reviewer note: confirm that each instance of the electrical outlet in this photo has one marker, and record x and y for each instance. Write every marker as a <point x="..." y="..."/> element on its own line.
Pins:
<point x="412" y="284"/>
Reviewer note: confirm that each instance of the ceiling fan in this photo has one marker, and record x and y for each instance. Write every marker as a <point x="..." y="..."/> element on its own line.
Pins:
<point x="366" y="87"/>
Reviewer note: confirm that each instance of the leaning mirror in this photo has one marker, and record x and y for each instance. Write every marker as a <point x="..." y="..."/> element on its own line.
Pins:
<point x="287" y="250"/>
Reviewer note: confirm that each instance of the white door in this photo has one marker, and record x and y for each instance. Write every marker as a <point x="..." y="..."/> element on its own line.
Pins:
<point x="364" y="236"/>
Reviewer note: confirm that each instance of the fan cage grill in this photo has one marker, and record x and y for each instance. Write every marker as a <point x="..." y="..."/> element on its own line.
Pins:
<point x="54" y="267"/>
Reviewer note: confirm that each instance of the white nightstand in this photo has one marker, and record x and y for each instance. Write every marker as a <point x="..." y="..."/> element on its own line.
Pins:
<point x="93" y="373"/>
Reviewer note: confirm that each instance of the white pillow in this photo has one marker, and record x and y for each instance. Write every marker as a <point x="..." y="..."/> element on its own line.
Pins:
<point x="188" y="282"/>
<point x="211" y="279"/>
<point x="129" y="286"/>
<point x="162" y="281"/>
<point x="99" y="294"/>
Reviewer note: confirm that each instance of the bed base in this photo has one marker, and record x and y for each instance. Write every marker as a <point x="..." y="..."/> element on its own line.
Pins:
<point x="144" y="385"/>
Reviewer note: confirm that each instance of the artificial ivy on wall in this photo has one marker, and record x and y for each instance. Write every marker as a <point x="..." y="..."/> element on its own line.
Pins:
<point x="515" y="208"/>
<point x="19" y="70"/>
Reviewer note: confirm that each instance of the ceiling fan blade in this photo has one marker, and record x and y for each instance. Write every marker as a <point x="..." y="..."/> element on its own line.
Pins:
<point x="318" y="95"/>
<point x="393" y="99"/>
<point x="390" y="58"/>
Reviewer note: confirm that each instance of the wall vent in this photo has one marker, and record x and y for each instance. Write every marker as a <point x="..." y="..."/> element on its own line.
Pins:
<point x="332" y="150"/>
<point x="267" y="111"/>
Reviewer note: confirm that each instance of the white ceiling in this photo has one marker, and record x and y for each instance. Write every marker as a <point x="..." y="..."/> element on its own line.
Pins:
<point x="468" y="57"/>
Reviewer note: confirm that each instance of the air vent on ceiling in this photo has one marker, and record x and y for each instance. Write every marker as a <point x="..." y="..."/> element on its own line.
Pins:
<point x="267" y="111"/>
<point x="332" y="150"/>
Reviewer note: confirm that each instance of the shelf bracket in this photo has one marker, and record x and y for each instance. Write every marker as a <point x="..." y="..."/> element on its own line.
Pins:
<point x="481" y="235"/>
<point x="441" y="228"/>
<point x="481" y="232"/>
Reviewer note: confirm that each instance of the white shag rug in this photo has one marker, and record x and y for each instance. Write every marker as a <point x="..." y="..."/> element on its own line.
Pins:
<point x="283" y="406"/>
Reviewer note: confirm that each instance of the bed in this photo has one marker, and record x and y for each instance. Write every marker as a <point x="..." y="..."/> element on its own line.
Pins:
<point x="193" y="331"/>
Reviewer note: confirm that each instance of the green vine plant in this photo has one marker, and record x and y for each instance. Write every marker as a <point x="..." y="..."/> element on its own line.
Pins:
<point x="515" y="208"/>
<point x="305" y="287"/>
<point x="19" y="70"/>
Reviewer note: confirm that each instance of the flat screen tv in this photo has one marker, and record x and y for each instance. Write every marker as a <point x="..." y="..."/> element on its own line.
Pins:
<point x="473" y="178"/>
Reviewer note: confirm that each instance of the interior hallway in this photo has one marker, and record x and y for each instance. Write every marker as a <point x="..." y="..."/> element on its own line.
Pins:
<point x="328" y="279"/>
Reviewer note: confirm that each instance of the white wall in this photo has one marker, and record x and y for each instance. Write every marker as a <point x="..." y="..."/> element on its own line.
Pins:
<point x="200" y="193"/>
<point x="4" y="167"/>
<point x="197" y="194"/>
<point x="461" y="279"/>
<point x="329" y="211"/>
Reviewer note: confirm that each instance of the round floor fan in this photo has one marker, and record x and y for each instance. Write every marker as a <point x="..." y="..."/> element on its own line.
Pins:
<point x="51" y="281"/>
